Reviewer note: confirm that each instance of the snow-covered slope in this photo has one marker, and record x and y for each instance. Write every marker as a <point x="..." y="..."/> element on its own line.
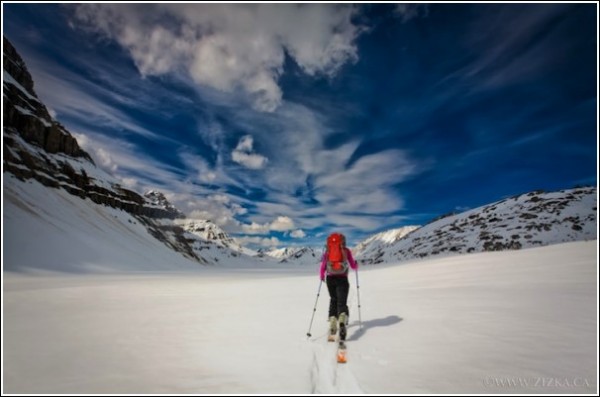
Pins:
<point x="212" y="243"/>
<point x="528" y="220"/>
<point x="370" y="247"/>
<point x="280" y="253"/>
<point x="303" y="256"/>
<point x="52" y="230"/>
<point x="208" y="231"/>
<point x="42" y="162"/>
<point x="488" y="323"/>
<point x="294" y="255"/>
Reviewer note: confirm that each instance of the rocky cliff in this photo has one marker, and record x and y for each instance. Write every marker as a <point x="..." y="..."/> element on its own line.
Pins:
<point x="38" y="147"/>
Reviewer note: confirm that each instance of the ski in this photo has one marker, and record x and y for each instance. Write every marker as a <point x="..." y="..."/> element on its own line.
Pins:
<point x="341" y="353"/>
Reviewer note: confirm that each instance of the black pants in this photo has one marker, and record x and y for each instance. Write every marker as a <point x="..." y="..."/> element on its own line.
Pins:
<point x="338" y="292"/>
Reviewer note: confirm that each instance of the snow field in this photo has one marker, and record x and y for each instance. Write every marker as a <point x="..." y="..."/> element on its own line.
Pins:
<point x="439" y="326"/>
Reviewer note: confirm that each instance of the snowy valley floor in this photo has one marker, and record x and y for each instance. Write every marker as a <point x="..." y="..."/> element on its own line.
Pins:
<point x="511" y="322"/>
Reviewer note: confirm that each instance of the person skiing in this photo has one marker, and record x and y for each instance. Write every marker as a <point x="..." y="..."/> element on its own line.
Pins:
<point x="334" y="264"/>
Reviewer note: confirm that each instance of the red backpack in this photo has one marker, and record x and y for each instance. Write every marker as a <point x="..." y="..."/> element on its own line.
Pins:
<point x="337" y="263"/>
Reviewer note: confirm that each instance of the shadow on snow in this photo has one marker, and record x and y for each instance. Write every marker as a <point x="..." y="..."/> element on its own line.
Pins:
<point x="366" y="325"/>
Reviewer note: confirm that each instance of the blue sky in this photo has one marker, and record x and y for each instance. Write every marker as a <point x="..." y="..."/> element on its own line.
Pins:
<point x="282" y="123"/>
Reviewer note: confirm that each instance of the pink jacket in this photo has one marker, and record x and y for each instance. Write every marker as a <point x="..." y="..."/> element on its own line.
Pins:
<point x="351" y="261"/>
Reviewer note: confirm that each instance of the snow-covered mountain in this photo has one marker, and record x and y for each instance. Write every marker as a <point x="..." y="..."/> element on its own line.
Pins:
<point x="42" y="160"/>
<point x="210" y="241"/>
<point x="281" y="253"/>
<point x="164" y="209"/>
<point x="208" y="231"/>
<point x="372" y="246"/>
<point x="293" y="255"/>
<point x="528" y="220"/>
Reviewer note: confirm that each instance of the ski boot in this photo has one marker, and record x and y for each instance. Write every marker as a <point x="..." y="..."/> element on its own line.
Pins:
<point x="332" y="329"/>
<point x="343" y="322"/>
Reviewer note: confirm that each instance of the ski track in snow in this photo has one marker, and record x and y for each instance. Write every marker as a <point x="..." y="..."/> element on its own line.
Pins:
<point x="327" y="375"/>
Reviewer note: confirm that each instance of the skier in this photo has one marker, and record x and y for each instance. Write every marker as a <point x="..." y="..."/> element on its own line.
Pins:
<point x="334" y="263"/>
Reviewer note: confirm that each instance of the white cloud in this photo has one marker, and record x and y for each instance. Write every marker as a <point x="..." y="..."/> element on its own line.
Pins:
<point x="282" y="223"/>
<point x="262" y="241"/>
<point x="302" y="170"/>
<point x="249" y="160"/>
<point x="411" y="11"/>
<point x="245" y="144"/>
<point x="224" y="210"/>
<point x="105" y="160"/>
<point x="131" y="183"/>
<point x="82" y="140"/>
<point x="255" y="228"/>
<point x="243" y="155"/>
<point x="230" y="47"/>
<point x="299" y="233"/>
<point x="217" y="208"/>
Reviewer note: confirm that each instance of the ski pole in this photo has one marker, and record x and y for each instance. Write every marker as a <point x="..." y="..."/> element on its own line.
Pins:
<point x="314" y="310"/>
<point x="358" y="296"/>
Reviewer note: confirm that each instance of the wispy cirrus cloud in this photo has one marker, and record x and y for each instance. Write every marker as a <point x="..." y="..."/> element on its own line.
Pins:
<point x="305" y="183"/>
<point x="228" y="47"/>
<point x="165" y="95"/>
<point x="368" y="185"/>
<point x="122" y="160"/>
<point x="511" y="45"/>
<point x="198" y="169"/>
<point x="77" y="98"/>
<point x="299" y="159"/>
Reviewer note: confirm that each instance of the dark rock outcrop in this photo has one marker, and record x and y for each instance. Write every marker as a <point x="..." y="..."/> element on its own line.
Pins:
<point x="38" y="147"/>
<point x="157" y="206"/>
<point x="24" y="112"/>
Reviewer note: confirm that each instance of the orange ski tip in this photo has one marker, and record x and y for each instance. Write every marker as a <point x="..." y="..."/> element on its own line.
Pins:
<point x="341" y="358"/>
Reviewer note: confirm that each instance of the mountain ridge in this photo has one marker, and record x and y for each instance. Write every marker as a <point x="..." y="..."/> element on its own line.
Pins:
<point x="37" y="147"/>
<point x="527" y="220"/>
